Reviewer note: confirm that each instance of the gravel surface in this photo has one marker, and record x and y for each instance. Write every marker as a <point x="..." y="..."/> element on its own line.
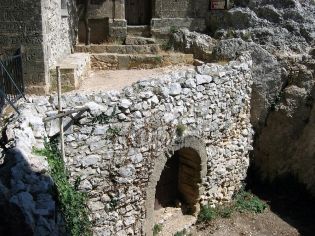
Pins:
<point x="265" y="224"/>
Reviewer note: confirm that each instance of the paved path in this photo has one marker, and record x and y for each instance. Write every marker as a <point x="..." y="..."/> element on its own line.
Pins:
<point x="106" y="80"/>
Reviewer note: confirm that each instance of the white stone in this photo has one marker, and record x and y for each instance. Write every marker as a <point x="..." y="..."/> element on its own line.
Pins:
<point x="125" y="103"/>
<point x="175" y="89"/>
<point x="91" y="160"/>
<point x="203" y="79"/>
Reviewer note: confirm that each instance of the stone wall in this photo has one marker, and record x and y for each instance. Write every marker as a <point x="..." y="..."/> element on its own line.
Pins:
<point x="181" y="8"/>
<point x="111" y="9"/>
<point x="21" y="25"/>
<point x="46" y="33"/>
<point x="178" y="14"/>
<point x="119" y="146"/>
<point x="58" y="30"/>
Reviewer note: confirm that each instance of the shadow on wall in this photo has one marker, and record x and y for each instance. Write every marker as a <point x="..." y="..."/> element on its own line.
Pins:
<point x="27" y="205"/>
<point x="287" y="198"/>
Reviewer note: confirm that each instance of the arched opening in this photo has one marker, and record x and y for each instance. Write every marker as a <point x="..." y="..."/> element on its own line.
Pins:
<point x="179" y="182"/>
<point x="176" y="184"/>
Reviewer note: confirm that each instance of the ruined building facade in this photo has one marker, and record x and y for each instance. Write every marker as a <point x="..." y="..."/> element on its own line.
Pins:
<point x="48" y="30"/>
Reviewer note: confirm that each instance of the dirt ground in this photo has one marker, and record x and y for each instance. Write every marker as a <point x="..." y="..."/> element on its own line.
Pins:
<point x="106" y="80"/>
<point x="265" y="224"/>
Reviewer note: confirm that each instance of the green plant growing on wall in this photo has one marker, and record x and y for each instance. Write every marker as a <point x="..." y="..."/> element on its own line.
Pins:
<point x="113" y="132"/>
<point x="230" y="33"/>
<point x="103" y="118"/>
<point x="277" y="100"/>
<point x="173" y="29"/>
<point x="180" y="130"/>
<point x="157" y="229"/>
<point x="113" y="203"/>
<point x="247" y="36"/>
<point x="73" y="204"/>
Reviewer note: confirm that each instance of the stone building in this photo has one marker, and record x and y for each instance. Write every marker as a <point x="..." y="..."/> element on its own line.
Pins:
<point x="48" y="30"/>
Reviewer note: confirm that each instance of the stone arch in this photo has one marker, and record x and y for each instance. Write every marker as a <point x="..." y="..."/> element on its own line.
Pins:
<point x="188" y="145"/>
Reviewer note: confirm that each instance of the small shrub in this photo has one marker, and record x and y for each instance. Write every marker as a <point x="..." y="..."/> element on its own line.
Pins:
<point x="157" y="229"/>
<point x="180" y="129"/>
<point x="247" y="36"/>
<point x="168" y="45"/>
<point x="173" y="29"/>
<point x="242" y="202"/>
<point x="158" y="59"/>
<point x="247" y="202"/>
<point x="225" y="211"/>
<point x="230" y="33"/>
<point x="113" y="203"/>
<point x="182" y="233"/>
<point x="206" y="213"/>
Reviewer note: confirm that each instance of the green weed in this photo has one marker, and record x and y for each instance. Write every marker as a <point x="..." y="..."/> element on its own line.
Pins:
<point x="113" y="132"/>
<point x="182" y="233"/>
<point x="157" y="229"/>
<point x="174" y="29"/>
<point x="247" y="202"/>
<point x="243" y="202"/>
<point x="72" y="203"/>
<point x="207" y="213"/>
<point x="180" y="130"/>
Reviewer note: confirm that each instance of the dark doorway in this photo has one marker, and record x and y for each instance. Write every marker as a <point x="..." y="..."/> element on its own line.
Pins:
<point x="99" y="30"/>
<point x="179" y="181"/>
<point x="138" y="12"/>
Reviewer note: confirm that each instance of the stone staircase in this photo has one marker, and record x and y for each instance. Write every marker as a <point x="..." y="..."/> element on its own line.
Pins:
<point x="138" y="51"/>
<point x="139" y="30"/>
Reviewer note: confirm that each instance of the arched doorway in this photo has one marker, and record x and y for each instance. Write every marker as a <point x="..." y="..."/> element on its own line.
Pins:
<point x="177" y="178"/>
<point x="179" y="182"/>
<point x="138" y="12"/>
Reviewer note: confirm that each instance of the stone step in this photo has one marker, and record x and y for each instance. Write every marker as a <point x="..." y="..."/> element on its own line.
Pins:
<point x="114" y="61"/>
<point x="119" y="49"/>
<point x="139" y="30"/>
<point x="138" y="40"/>
<point x="73" y="69"/>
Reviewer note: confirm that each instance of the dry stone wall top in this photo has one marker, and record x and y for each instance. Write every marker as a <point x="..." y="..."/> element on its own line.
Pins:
<point x="115" y="146"/>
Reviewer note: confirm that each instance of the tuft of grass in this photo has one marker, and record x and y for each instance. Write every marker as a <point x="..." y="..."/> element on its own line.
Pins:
<point x="243" y="202"/>
<point x="103" y="118"/>
<point x="230" y="33"/>
<point x="157" y="229"/>
<point x="158" y="59"/>
<point x="180" y="130"/>
<point x="247" y="36"/>
<point x="113" y="132"/>
<point x="182" y="233"/>
<point x="174" y="29"/>
<point x="72" y="202"/>
<point x="248" y="202"/>
<point x="168" y="45"/>
<point x="207" y="213"/>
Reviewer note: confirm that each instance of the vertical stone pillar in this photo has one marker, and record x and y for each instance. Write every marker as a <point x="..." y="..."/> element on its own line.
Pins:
<point x="118" y="23"/>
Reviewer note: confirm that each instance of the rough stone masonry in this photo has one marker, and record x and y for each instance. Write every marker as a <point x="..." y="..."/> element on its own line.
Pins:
<point x="120" y="145"/>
